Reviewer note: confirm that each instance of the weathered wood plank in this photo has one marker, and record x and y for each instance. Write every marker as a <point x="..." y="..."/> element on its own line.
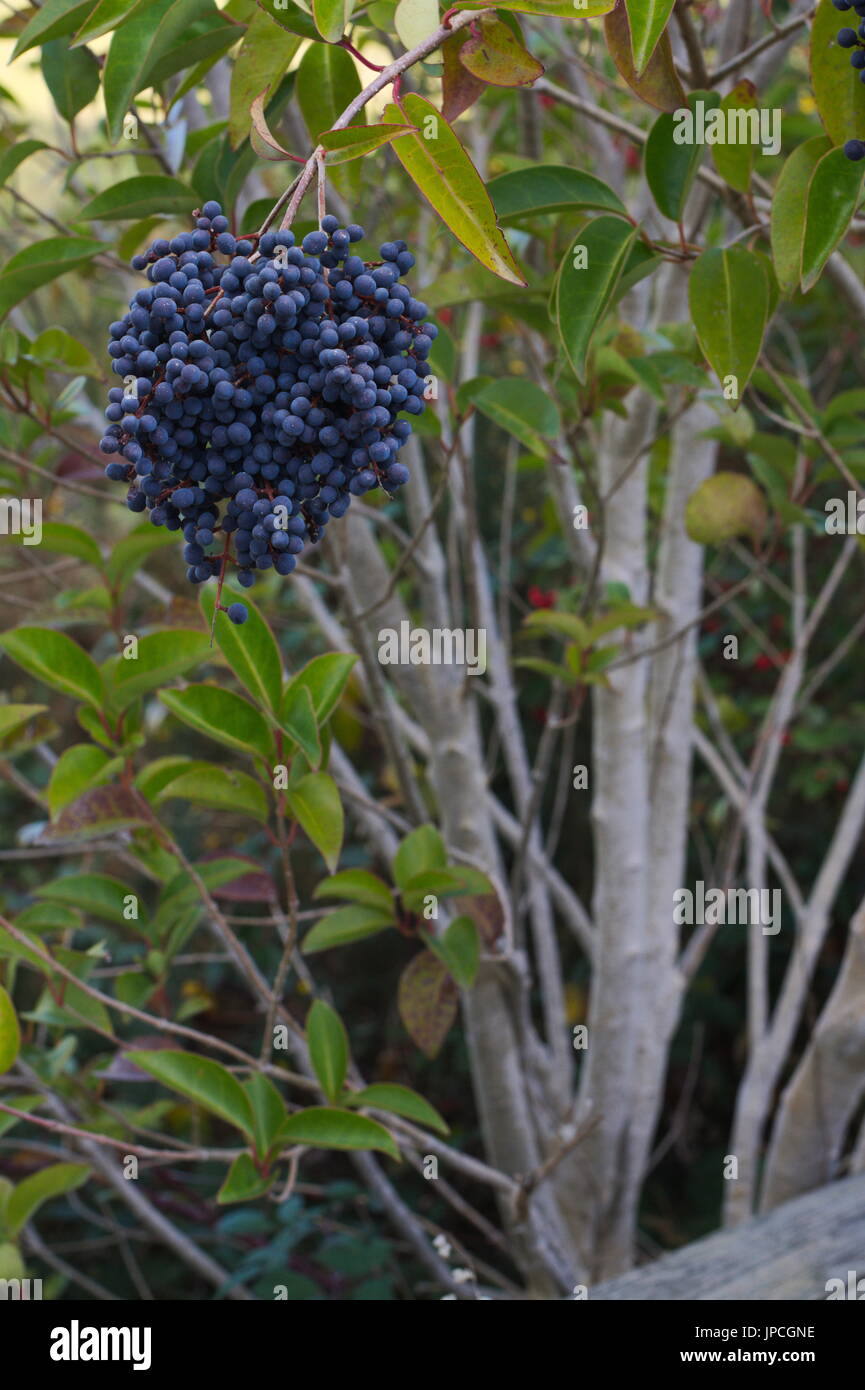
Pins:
<point x="788" y="1254"/>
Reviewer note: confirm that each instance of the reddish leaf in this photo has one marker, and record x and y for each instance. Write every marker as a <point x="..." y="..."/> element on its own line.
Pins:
<point x="100" y="811"/>
<point x="256" y="886"/>
<point x="659" y="85"/>
<point x="260" y="137"/>
<point x="460" y="88"/>
<point x="427" y="999"/>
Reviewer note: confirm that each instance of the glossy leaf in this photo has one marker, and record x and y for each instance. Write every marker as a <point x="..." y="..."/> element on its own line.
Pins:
<point x="325" y="678"/>
<point x="834" y="193"/>
<point x="139" y="196"/>
<point x="290" y="16"/>
<point x="326" y="82"/>
<point x="523" y="409"/>
<point x="262" y="59"/>
<point x="298" y="720"/>
<point x="243" y="1182"/>
<point x="13" y="717"/>
<point x="321" y="1127"/>
<point x="550" y="188"/>
<point x="421" y="850"/>
<point x="10" y="1033"/>
<point x="52" y="19"/>
<point x="54" y="658"/>
<point x="223" y="716"/>
<point x="268" y="1110"/>
<point x="130" y="552"/>
<point x="345" y="925"/>
<point x="223" y="788"/>
<point x="398" y="1100"/>
<point x="357" y="886"/>
<point x="41" y="262"/>
<point x="314" y="802"/>
<point x="355" y="140"/>
<point x="31" y="1193"/>
<point x="647" y="20"/>
<point x="250" y="649"/>
<point x="729" y="301"/>
<point x="105" y="16"/>
<point x="583" y="296"/>
<point x="135" y="49"/>
<point x="201" y="1080"/>
<point x="659" y="84"/>
<point x="62" y="539"/>
<point x="415" y="20"/>
<point x="671" y="167"/>
<point x="839" y="94"/>
<point x="16" y="154"/>
<point x="331" y="18"/>
<point x="97" y="895"/>
<point x="71" y="76"/>
<point x="328" y="1048"/>
<point x="735" y="161"/>
<point x="160" y="657"/>
<point x="434" y="158"/>
<point x="460" y="947"/>
<point x="77" y="769"/>
<point x="789" y="206"/>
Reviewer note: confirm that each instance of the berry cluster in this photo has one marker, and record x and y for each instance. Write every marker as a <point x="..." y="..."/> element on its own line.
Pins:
<point x="261" y="391"/>
<point x="855" y="40"/>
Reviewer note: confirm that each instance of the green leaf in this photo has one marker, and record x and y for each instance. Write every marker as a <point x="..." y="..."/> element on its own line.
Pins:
<point x="331" y="18"/>
<point x="25" y="1105"/>
<point x="325" y="677"/>
<point x="56" y="348"/>
<point x="98" y="812"/>
<point x="243" y="1182"/>
<point x="290" y="16"/>
<point x="314" y="802"/>
<point x="10" y="1033"/>
<point x="357" y="886"/>
<point x="160" y="657"/>
<point x="97" y="895"/>
<point x="71" y="76"/>
<point x="14" y="717"/>
<point x="460" y="947"/>
<point x="729" y="301"/>
<point x="268" y="1110"/>
<point x="107" y="15"/>
<point x="344" y="925"/>
<point x="77" y="770"/>
<point x="647" y="20"/>
<point x="326" y="82"/>
<point x="201" y="1080"/>
<point x="28" y="1195"/>
<point x="453" y="882"/>
<point x="223" y="788"/>
<point x="298" y="720"/>
<point x="352" y="141"/>
<point x="54" y="658"/>
<point x="262" y="59"/>
<point x="328" y="1048"/>
<point x="128" y="554"/>
<point x="137" y="47"/>
<point x="52" y="19"/>
<point x="550" y="188"/>
<point x="428" y="999"/>
<point x="789" y="205"/>
<point x="839" y="94"/>
<point x="735" y="161"/>
<point x="398" y="1100"/>
<point x="436" y="161"/>
<point x="40" y="262"/>
<point x="223" y="716"/>
<point x="552" y="9"/>
<point x="724" y="506"/>
<point x="421" y="850"/>
<point x="321" y="1127"/>
<point x="671" y="167"/>
<point x="250" y="649"/>
<point x="139" y="196"/>
<point x="495" y="55"/>
<point x="659" y="84"/>
<point x="16" y="155"/>
<point x="833" y="196"/>
<point x="583" y="296"/>
<point x="523" y="410"/>
<point x="414" y="21"/>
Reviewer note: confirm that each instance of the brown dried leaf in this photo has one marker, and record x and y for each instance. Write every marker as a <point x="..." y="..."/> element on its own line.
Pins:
<point x="100" y="811"/>
<point x="427" y="998"/>
<point x="460" y="88"/>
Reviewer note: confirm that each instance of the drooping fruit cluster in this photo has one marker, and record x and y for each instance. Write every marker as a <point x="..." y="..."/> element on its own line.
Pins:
<point x="854" y="39"/>
<point x="262" y="384"/>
